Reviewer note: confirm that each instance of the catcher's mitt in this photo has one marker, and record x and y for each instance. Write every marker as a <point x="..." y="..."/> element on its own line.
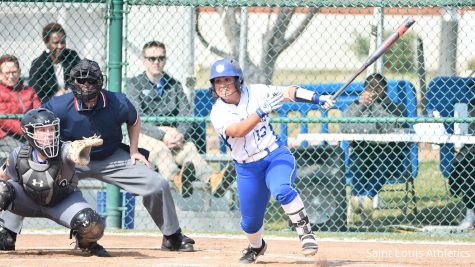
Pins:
<point x="79" y="150"/>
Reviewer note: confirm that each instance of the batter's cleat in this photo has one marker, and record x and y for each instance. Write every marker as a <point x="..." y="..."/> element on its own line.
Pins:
<point x="7" y="239"/>
<point x="177" y="242"/>
<point x="184" y="178"/>
<point x="220" y="181"/>
<point x="250" y="254"/>
<point x="309" y="244"/>
<point x="95" y="249"/>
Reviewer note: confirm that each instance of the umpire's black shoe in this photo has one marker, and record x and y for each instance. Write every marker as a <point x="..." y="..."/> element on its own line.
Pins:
<point x="251" y="254"/>
<point x="96" y="250"/>
<point x="177" y="242"/>
<point x="7" y="239"/>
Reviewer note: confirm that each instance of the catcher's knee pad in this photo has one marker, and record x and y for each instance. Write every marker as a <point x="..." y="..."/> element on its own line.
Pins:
<point x="87" y="226"/>
<point x="7" y="194"/>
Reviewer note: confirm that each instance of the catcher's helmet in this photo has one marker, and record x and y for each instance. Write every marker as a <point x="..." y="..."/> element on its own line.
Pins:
<point x="86" y="71"/>
<point x="38" y="118"/>
<point x="226" y="67"/>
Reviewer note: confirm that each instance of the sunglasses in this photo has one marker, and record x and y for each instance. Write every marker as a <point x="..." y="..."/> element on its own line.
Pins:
<point x="153" y="59"/>
<point x="84" y="80"/>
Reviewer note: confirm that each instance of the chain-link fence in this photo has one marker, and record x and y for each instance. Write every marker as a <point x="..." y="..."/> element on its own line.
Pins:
<point x="395" y="151"/>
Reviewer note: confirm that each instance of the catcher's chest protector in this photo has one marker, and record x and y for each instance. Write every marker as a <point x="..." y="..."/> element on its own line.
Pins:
<point x="42" y="182"/>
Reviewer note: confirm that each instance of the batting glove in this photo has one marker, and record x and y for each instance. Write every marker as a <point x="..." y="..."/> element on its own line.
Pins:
<point x="272" y="102"/>
<point x="326" y="101"/>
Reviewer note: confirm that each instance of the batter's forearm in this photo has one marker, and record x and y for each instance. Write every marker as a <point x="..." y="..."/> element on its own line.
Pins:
<point x="299" y="94"/>
<point x="242" y="128"/>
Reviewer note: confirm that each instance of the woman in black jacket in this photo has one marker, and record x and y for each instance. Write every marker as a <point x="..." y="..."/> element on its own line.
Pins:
<point x="49" y="71"/>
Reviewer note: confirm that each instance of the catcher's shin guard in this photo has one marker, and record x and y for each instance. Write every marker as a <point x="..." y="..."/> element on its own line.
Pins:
<point x="87" y="227"/>
<point x="7" y="239"/>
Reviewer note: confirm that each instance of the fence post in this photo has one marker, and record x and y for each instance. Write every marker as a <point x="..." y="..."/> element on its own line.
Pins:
<point x="448" y="43"/>
<point x="115" y="81"/>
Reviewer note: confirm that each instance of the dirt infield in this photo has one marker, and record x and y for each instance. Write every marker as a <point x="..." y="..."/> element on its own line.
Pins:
<point x="141" y="250"/>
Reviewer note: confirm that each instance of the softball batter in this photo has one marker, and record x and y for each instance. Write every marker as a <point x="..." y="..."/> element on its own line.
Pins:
<point x="264" y="165"/>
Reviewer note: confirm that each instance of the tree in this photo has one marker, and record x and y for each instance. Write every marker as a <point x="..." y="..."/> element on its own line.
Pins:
<point x="274" y="40"/>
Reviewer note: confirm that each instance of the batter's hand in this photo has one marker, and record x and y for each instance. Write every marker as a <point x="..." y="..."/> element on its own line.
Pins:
<point x="326" y="101"/>
<point x="137" y="156"/>
<point x="273" y="102"/>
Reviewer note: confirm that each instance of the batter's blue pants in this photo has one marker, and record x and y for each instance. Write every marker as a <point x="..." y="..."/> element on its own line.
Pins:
<point x="256" y="181"/>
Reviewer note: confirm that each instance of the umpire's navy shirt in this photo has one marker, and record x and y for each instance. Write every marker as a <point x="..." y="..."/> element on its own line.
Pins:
<point x="105" y="119"/>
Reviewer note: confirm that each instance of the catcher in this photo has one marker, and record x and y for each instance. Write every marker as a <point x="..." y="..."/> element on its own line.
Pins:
<point x="42" y="182"/>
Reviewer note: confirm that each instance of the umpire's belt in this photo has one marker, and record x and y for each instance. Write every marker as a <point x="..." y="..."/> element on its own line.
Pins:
<point x="260" y="155"/>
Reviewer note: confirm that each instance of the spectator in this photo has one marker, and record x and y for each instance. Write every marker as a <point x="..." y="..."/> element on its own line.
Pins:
<point x="462" y="177"/>
<point x="90" y="110"/>
<point x="15" y="98"/>
<point x="49" y="72"/>
<point x="45" y="161"/>
<point x="371" y="163"/>
<point x="156" y="93"/>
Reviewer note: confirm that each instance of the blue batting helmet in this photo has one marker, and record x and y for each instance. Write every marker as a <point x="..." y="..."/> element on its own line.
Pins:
<point x="226" y="67"/>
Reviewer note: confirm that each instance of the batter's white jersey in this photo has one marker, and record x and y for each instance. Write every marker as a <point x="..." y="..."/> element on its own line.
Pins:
<point x="261" y="137"/>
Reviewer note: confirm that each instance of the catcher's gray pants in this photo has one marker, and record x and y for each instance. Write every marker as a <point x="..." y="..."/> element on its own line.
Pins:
<point x="137" y="179"/>
<point x="62" y="213"/>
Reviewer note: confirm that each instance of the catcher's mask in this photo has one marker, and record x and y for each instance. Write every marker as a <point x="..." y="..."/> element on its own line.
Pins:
<point x="86" y="71"/>
<point x="226" y="67"/>
<point x="36" y="125"/>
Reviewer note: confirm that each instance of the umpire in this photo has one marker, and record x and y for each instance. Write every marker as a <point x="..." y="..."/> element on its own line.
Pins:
<point x="90" y="110"/>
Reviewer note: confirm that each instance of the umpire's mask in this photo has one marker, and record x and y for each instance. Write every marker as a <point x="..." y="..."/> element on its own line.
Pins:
<point x="85" y="80"/>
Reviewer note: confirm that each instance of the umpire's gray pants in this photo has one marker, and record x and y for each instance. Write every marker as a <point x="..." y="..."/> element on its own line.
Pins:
<point x="137" y="179"/>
